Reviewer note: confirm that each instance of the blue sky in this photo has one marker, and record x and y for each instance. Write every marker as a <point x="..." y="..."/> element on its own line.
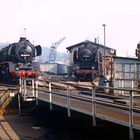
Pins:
<point x="47" y="21"/>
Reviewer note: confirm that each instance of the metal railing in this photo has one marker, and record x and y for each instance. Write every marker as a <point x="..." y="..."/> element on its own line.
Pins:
<point x="24" y="89"/>
<point x="65" y="91"/>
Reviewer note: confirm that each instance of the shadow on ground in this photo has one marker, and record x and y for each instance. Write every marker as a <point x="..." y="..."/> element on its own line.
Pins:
<point x="77" y="127"/>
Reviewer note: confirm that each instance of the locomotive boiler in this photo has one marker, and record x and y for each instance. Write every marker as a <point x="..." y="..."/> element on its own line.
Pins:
<point x="16" y="60"/>
<point x="22" y="52"/>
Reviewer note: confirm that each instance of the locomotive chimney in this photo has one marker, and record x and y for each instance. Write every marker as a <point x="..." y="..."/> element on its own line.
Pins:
<point x="22" y="39"/>
<point x="95" y="40"/>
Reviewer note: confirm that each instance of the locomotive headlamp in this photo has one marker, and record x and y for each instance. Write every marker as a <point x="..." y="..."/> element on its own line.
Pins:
<point x="36" y="68"/>
<point x="92" y="67"/>
<point x="77" y="68"/>
<point x="17" y="68"/>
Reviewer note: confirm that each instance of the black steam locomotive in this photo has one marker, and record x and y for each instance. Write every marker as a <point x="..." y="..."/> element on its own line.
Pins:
<point x="87" y="62"/>
<point x="16" y="60"/>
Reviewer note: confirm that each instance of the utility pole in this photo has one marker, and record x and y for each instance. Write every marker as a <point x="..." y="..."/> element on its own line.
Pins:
<point x="104" y="25"/>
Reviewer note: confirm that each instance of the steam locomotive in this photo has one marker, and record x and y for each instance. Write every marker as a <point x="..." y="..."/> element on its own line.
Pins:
<point x="87" y="61"/>
<point x="16" y="60"/>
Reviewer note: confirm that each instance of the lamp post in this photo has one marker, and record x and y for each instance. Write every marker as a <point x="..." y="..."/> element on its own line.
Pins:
<point x="104" y="25"/>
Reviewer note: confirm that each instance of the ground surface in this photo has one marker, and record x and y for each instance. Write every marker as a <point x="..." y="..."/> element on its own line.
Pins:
<point x="45" y="124"/>
<point x="15" y="127"/>
<point x="78" y="126"/>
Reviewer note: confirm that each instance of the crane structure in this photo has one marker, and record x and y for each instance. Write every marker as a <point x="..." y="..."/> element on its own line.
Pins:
<point x="53" y="48"/>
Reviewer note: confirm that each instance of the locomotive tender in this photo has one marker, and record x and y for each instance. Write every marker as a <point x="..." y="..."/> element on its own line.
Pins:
<point x="87" y="60"/>
<point x="16" y="60"/>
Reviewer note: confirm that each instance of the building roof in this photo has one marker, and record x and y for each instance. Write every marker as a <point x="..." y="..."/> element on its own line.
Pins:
<point x="126" y="58"/>
<point x="87" y="41"/>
